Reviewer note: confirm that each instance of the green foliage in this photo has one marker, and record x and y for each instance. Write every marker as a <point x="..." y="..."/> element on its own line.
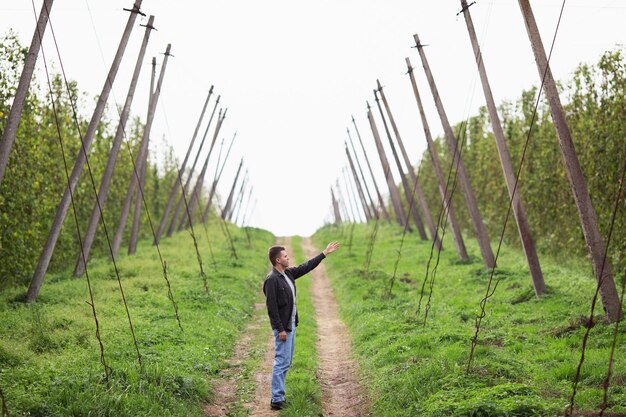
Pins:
<point x="35" y="178"/>
<point x="527" y="351"/>
<point x="49" y="357"/>
<point x="595" y="102"/>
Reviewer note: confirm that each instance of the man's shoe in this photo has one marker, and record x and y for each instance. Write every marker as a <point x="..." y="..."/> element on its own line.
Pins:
<point x="279" y="405"/>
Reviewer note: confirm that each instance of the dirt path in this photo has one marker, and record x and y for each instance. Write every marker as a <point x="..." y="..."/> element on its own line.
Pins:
<point x="342" y="394"/>
<point x="225" y="388"/>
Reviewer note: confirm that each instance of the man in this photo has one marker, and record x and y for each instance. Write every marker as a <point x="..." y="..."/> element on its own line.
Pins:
<point x="280" y="293"/>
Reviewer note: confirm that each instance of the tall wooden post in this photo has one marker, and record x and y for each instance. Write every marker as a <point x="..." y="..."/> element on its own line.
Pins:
<point x="394" y="195"/>
<point x="64" y="205"/>
<point x="470" y="199"/>
<point x="232" y="192"/>
<point x="134" y="231"/>
<point x="381" y="201"/>
<point x="372" y="204"/>
<point x="175" y="186"/>
<point x="446" y="196"/>
<point x="408" y="192"/>
<point x="354" y="206"/>
<point x="141" y="156"/>
<point x="335" y="207"/>
<point x="107" y="176"/>
<point x="358" y="203"/>
<point x="239" y="198"/>
<point x="216" y="178"/>
<point x="197" y="189"/>
<point x="243" y="207"/>
<point x="414" y="182"/>
<point x="359" y="188"/>
<point x="507" y="166"/>
<point x="185" y="189"/>
<point x="348" y="213"/>
<point x="13" y="121"/>
<point x="595" y="243"/>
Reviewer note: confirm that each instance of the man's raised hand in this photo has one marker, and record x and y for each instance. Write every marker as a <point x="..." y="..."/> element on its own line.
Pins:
<point x="331" y="247"/>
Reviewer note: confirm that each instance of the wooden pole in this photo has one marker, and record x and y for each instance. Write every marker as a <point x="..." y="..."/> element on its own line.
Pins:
<point x="232" y="191"/>
<point x="107" y="176"/>
<point x="335" y="207"/>
<point x="141" y="156"/>
<point x="244" y="206"/>
<point x="359" y="188"/>
<point x="216" y="179"/>
<point x="359" y="208"/>
<point x="13" y="120"/>
<point x="239" y="198"/>
<point x="354" y="207"/>
<point x="348" y="213"/>
<point x="595" y="243"/>
<point x="470" y="199"/>
<point x="414" y="182"/>
<point x="62" y="209"/>
<point x="394" y="195"/>
<point x="197" y="189"/>
<point x="134" y="231"/>
<point x="381" y="201"/>
<point x="446" y="196"/>
<point x="408" y="192"/>
<point x="523" y="227"/>
<point x="372" y="204"/>
<point x="179" y="204"/>
<point x="175" y="186"/>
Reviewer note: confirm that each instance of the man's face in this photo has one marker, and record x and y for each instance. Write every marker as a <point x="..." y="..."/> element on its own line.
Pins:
<point x="283" y="259"/>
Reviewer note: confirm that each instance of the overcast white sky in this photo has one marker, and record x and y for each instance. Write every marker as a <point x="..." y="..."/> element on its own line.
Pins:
<point x="292" y="73"/>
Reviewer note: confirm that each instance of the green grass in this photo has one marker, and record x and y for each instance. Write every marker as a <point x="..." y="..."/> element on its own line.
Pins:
<point x="302" y="388"/>
<point x="528" y="348"/>
<point x="49" y="356"/>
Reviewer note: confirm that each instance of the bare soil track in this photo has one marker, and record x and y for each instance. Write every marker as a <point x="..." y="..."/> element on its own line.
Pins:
<point x="342" y="395"/>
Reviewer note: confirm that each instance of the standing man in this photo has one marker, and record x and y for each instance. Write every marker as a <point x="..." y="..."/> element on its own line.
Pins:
<point x="280" y="293"/>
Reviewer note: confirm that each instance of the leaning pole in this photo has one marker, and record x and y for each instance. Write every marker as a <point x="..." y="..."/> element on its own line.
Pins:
<point x="470" y="199"/>
<point x="394" y="195"/>
<point x="412" y="209"/>
<point x="13" y="120"/>
<point x="366" y="207"/>
<point x="107" y="176"/>
<point x="197" y="189"/>
<point x="185" y="188"/>
<point x="446" y="197"/>
<point x="418" y="192"/>
<point x="372" y="204"/>
<point x="232" y="192"/>
<point x="175" y="186"/>
<point x="593" y="238"/>
<point x="141" y="155"/>
<point x="64" y="205"/>
<point x="523" y="227"/>
<point x="216" y="179"/>
<point x="383" y="207"/>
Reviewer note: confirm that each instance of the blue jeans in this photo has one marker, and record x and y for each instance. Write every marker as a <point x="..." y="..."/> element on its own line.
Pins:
<point x="282" y="362"/>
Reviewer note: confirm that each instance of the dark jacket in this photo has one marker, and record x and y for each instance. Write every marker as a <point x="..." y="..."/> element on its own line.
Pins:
<point x="278" y="296"/>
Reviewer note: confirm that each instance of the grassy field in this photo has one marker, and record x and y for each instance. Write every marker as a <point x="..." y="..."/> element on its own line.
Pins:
<point x="528" y="348"/>
<point x="49" y="356"/>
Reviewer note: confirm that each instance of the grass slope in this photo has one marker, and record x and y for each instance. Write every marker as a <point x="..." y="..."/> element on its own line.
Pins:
<point x="528" y="348"/>
<point x="49" y="357"/>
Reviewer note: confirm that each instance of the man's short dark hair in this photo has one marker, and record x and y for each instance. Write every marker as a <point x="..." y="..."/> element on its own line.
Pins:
<point x="274" y="253"/>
